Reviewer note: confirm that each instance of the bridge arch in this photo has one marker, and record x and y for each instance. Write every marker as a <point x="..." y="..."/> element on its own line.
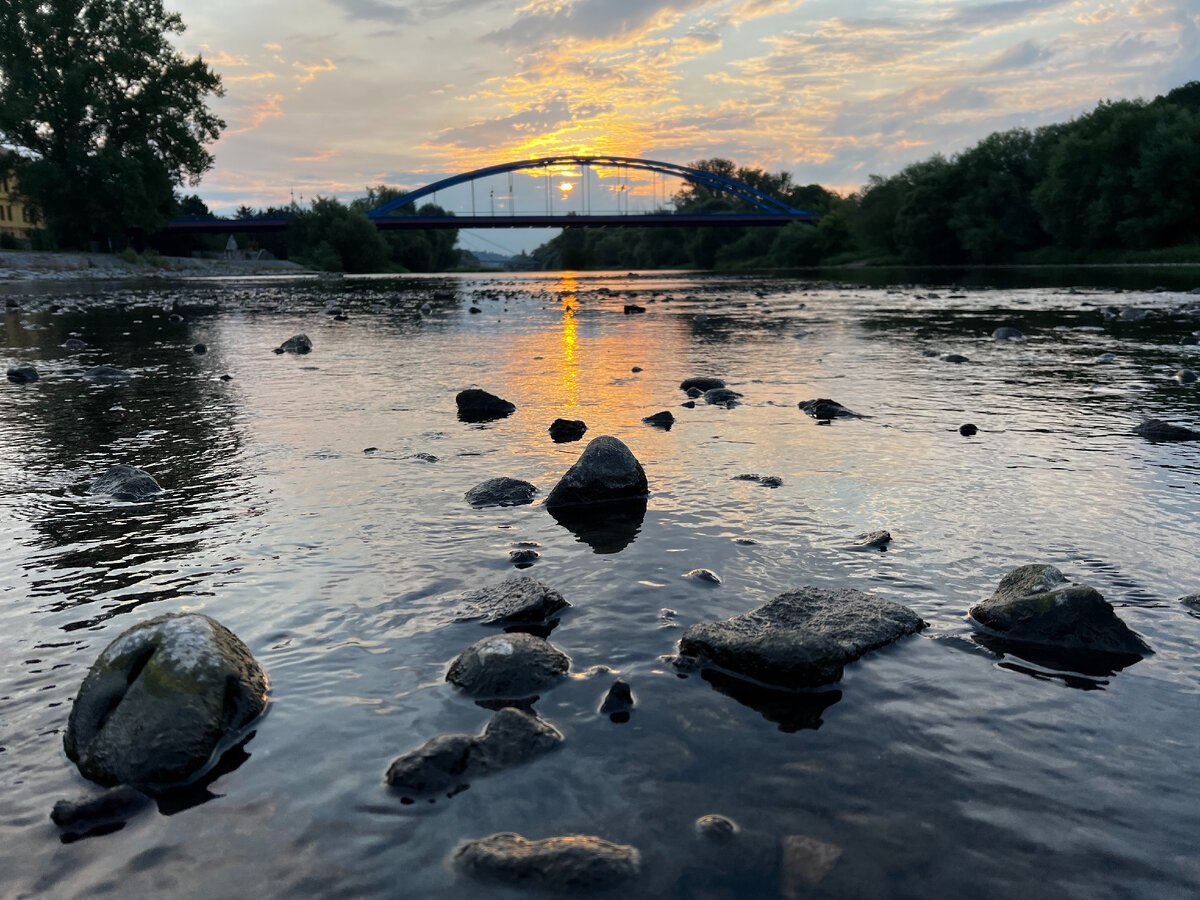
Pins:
<point x="758" y="199"/>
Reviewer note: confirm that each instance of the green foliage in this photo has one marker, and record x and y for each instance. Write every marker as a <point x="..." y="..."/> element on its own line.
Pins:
<point x="109" y="117"/>
<point x="7" y="241"/>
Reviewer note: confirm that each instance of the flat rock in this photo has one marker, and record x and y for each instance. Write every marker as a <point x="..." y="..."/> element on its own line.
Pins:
<point x="1156" y="430"/>
<point x="563" y="431"/>
<point x="161" y="700"/>
<point x="126" y="483"/>
<point x="801" y="638"/>
<point x="22" y="374"/>
<point x="501" y="492"/>
<point x="771" y="481"/>
<point x="1036" y="604"/>
<point x="475" y="405"/>
<point x="106" y="375"/>
<point x="824" y="408"/>
<point x="722" y="397"/>
<point x="955" y="358"/>
<point x="296" y="344"/>
<point x="663" y="420"/>
<point x="517" y="600"/>
<point x="448" y="763"/>
<point x="564" y="865"/>
<point x="701" y="384"/>
<point x="508" y="667"/>
<point x="606" y="470"/>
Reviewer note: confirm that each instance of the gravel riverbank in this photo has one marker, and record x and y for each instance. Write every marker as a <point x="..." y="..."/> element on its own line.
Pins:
<point x="24" y="265"/>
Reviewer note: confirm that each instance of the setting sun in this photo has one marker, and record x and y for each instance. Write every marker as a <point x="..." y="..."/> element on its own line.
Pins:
<point x="566" y="187"/>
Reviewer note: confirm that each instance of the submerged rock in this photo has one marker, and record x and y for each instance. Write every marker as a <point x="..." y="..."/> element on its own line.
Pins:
<point x="606" y="470"/>
<point x="475" y="405"/>
<point x="508" y="667"/>
<point x="1185" y="376"/>
<point x="1191" y="601"/>
<point x="563" y="431"/>
<point x="771" y="481"/>
<point x="74" y="344"/>
<point x="663" y="420"/>
<point x="106" y="375"/>
<point x="801" y="638"/>
<point x="1007" y="333"/>
<point x="701" y="384"/>
<point x="955" y="358"/>
<point x="87" y="813"/>
<point x="1035" y="604"/>
<point x="631" y="308"/>
<point x="805" y="863"/>
<point x="501" y="492"/>
<point x="1157" y="430"/>
<point x="618" y="702"/>
<point x="722" y="397"/>
<point x="716" y="828"/>
<point x="161" y="700"/>
<point x="518" y="599"/>
<point x="824" y="408"/>
<point x="448" y="763"/>
<point x="296" y="344"/>
<point x="575" y="863"/>
<point x="126" y="483"/>
<point x="872" y="540"/>
<point x="708" y="576"/>
<point x="25" y="374"/>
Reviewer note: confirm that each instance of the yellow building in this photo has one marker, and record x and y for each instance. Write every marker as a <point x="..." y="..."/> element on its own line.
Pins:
<point x="16" y="216"/>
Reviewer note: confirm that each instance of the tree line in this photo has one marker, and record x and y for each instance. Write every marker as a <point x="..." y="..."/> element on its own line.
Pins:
<point x="1120" y="180"/>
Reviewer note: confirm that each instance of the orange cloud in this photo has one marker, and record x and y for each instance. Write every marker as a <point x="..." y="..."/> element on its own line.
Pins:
<point x="308" y="72"/>
<point x="270" y="107"/>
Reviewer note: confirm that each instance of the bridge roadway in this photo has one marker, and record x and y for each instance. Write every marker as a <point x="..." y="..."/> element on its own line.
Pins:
<point x="650" y="220"/>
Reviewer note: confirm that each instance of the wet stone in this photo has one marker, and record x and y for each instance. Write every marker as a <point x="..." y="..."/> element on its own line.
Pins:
<point x="296" y="344"/>
<point x="663" y="420"/>
<point x="824" y="408"/>
<point x="689" y="404"/>
<point x="563" y="431"/>
<point x="801" y="638"/>
<point x="510" y="666"/>
<point x="707" y="576"/>
<point x="632" y="308"/>
<point x="955" y="358"/>
<point x="161" y="700"/>
<point x="715" y="828"/>
<point x="199" y="349"/>
<point x="1007" y="333"/>
<point x="1036" y="604"/>
<point x="1156" y="430"/>
<point x="1191" y="601"/>
<point x="771" y="481"/>
<point x="618" y="702"/>
<point x="106" y="375"/>
<point x="872" y="540"/>
<point x="22" y="374"/>
<point x="1185" y="376"/>
<point x="700" y="385"/>
<point x="501" y="492"/>
<point x="475" y="405"/>
<point x="74" y="344"/>
<point x="126" y="483"/>
<point x="88" y="812"/>
<point x="518" y="599"/>
<point x="967" y="430"/>
<point x="606" y="470"/>
<point x="722" y="397"/>
<point x="564" y="865"/>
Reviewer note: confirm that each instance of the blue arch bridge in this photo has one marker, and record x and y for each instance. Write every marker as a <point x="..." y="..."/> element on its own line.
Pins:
<point x="764" y="209"/>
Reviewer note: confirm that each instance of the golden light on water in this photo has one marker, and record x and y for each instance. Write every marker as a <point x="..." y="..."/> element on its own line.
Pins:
<point x="568" y="366"/>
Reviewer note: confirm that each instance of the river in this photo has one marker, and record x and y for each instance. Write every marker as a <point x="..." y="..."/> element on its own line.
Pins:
<point x="298" y="513"/>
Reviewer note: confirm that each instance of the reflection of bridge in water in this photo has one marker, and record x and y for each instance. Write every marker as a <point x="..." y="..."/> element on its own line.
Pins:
<point x="764" y="209"/>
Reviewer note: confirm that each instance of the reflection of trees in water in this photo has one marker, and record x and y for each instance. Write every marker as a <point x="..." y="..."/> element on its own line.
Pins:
<point x="169" y="419"/>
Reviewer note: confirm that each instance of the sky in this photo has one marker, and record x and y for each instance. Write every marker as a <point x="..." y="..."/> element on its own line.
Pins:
<point x="324" y="97"/>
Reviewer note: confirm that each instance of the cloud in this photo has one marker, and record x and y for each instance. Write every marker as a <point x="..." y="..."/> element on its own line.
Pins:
<point x="270" y="107"/>
<point x="256" y="76"/>
<point x="308" y="72"/>
<point x="592" y="20"/>
<point x="276" y="48"/>
<point x="376" y="11"/>
<point x="1018" y="56"/>
<point x="319" y="156"/>
<point x="227" y="59"/>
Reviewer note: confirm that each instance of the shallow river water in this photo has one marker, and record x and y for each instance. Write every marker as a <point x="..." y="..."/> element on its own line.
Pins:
<point x="297" y="512"/>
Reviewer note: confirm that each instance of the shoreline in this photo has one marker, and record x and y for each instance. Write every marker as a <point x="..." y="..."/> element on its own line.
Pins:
<point x="18" y="266"/>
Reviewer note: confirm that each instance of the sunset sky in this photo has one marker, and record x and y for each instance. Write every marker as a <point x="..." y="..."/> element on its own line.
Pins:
<point x="326" y="96"/>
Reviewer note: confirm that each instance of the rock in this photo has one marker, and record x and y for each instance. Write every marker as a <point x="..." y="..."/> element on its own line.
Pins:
<point x="606" y="470"/>
<point x="706" y="575"/>
<point x="517" y="600"/>
<point x="448" y="763"/>
<point x="1192" y="601"/>
<point x="716" y="828"/>
<point x="564" y="865"/>
<point x="801" y="638"/>
<point x="701" y="384"/>
<point x="508" y="667"/>
<point x="423" y="457"/>
<point x="1007" y="333"/>
<point x="636" y="369"/>
<point x="475" y="405"/>
<point x="1036" y="605"/>
<point x="563" y="431"/>
<point x="1157" y="430"/>
<point x="1185" y="376"/>
<point x="88" y="812"/>
<point x="1106" y="358"/>
<point x="771" y="481"/>
<point x="106" y="375"/>
<point x="663" y="420"/>
<point x="74" y="344"/>
<point x="1130" y="314"/>
<point x="501" y="492"/>
<point x="694" y="393"/>
<point x="823" y="408"/>
<point x="954" y="358"/>
<point x="126" y="483"/>
<point x="161" y="701"/>
<point x="631" y="308"/>
<point x="1189" y="340"/>
<point x="22" y="374"/>
<point x="296" y="344"/>
<point x="967" y="430"/>
<point x="199" y="349"/>
<point x="722" y="397"/>
<point x="872" y="540"/>
<point x="618" y="702"/>
<point x="805" y="862"/>
<point x="689" y="404"/>
<point x="523" y="558"/>
<point x="474" y="310"/>
<point x="426" y="308"/>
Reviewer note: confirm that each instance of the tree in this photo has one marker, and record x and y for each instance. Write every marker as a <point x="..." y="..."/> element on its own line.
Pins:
<point x="107" y="117"/>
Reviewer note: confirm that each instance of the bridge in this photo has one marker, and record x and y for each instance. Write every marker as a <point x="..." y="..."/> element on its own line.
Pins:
<point x="765" y="209"/>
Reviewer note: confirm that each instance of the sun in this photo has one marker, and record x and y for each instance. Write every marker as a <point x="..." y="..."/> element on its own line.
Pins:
<point x="566" y="187"/>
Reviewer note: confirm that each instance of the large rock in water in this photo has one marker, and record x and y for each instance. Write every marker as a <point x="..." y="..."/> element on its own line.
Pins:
<point x="1158" y="430"/>
<point x="161" y="700"/>
<point x="606" y="470"/>
<point x="517" y="600"/>
<point x="509" y="666"/>
<point x="126" y="483"/>
<point x="564" y="865"/>
<point x="475" y="405"/>
<point x="1037" y="605"/>
<point x="298" y="343"/>
<point x="25" y="374"/>
<point x="801" y="638"/>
